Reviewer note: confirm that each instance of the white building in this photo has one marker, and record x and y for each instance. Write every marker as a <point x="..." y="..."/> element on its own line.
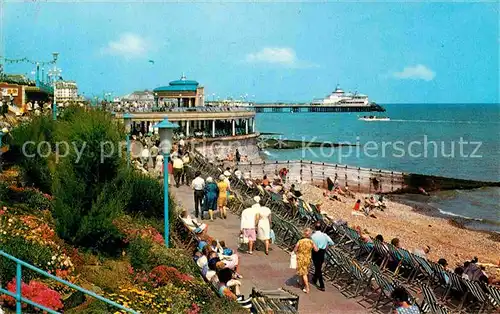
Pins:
<point x="66" y="91"/>
<point x="139" y="96"/>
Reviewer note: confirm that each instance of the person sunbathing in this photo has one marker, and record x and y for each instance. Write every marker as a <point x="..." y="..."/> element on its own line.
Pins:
<point x="192" y="223"/>
<point x="265" y="181"/>
<point x="332" y="196"/>
<point x="348" y="192"/>
<point x="338" y="190"/>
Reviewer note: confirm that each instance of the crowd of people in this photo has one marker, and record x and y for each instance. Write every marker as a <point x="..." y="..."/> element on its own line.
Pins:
<point x="470" y="270"/>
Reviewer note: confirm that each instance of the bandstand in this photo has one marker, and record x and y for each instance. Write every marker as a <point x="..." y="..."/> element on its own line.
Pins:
<point x="183" y="93"/>
<point x="182" y="101"/>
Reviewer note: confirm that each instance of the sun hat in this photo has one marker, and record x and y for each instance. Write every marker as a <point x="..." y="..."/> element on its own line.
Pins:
<point x="201" y="245"/>
<point x="222" y="177"/>
<point x="227" y="173"/>
<point x="209" y="179"/>
<point x="227" y="252"/>
<point x="256" y="199"/>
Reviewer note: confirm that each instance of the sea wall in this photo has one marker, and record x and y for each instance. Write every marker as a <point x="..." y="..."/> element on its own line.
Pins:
<point x="357" y="179"/>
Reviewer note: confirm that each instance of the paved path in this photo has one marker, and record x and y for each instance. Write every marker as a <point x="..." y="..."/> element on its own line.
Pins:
<point x="271" y="271"/>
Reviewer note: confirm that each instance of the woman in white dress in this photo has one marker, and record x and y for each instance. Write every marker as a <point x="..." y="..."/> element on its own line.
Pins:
<point x="264" y="226"/>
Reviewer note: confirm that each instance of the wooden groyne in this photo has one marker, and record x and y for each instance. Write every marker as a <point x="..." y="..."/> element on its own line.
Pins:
<point x="358" y="179"/>
<point x="278" y="143"/>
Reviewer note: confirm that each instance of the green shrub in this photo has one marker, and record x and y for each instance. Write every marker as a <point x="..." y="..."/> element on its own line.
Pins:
<point x="86" y="202"/>
<point x="97" y="230"/>
<point x="145" y="195"/>
<point x="29" y="252"/>
<point x="4" y="192"/>
<point x="139" y="251"/>
<point x="35" y="169"/>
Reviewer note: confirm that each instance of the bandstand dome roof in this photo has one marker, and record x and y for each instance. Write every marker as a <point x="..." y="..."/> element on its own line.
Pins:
<point x="179" y="85"/>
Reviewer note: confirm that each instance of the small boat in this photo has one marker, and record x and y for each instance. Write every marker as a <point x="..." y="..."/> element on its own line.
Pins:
<point x="374" y="118"/>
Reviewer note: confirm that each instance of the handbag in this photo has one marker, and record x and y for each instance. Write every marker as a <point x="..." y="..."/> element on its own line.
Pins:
<point x="242" y="239"/>
<point x="272" y="236"/>
<point x="293" y="261"/>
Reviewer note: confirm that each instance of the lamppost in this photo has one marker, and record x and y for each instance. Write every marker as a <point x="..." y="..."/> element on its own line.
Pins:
<point x="127" y="119"/>
<point x="54" y="74"/>
<point x="166" y="132"/>
<point x="3" y="132"/>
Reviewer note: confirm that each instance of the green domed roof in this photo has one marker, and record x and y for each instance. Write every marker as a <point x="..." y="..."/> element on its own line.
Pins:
<point x="179" y="85"/>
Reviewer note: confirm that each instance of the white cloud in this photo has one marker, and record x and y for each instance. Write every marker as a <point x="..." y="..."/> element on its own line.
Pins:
<point x="416" y="72"/>
<point x="128" y="45"/>
<point x="278" y="55"/>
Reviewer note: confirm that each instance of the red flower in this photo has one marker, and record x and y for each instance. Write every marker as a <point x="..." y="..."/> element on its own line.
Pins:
<point x="36" y="292"/>
<point x="162" y="274"/>
<point x="194" y="309"/>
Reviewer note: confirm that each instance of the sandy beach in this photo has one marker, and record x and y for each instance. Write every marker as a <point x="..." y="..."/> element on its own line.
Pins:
<point x="415" y="230"/>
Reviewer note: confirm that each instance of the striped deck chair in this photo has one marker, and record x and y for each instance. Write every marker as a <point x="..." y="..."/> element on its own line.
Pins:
<point x="343" y="263"/>
<point x="332" y="265"/>
<point x="347" y="238"/>
<point x="358" y="277"/>
<point x="367" y="250"/>
<point x="457" y="284"/>
<point x="410" y="264"/>
<point x="385" y="285"/>
<point x="304" y="214"/>
<point x="276" y="197"/>
<point x="396" y="256"/>
<point x="292" y="235"/>
<point x="494" y="296"/>
<point x="333" y="232"/>
<point x="438" y="275"/>
<point x="425" y="267"/>
<point x="241" y="203"/>
<point x="480" y="299"/>
<point x="382" y="251"/>
<point x="317" y="213"/>
<point x="346" y="241"/>
<point x="430" y="304"/>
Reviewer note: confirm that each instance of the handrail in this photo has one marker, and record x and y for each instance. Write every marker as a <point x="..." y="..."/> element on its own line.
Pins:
<point x="19" y="298"/>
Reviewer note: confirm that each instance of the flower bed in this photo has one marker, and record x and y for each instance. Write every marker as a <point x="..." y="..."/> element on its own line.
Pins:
<point x="29" y="196"/>
<point x="34" y="241"/>
<point x="36" y="292"/>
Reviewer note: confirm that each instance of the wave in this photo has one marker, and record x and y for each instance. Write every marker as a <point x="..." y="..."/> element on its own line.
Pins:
<point x="443" y="121"/>
<point x="458" y="215"/>
<point x="484" y="221"/>
<point x="267" y="153"/>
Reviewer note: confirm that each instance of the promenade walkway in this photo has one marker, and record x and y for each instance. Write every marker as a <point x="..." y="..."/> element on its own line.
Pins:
<point x="271" y="271"/>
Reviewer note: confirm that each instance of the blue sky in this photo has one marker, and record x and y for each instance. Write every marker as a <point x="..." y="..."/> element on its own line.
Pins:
<point x="394" y="52"/>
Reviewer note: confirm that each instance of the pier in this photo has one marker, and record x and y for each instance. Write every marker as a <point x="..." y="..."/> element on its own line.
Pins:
<point x="302" y="108"/>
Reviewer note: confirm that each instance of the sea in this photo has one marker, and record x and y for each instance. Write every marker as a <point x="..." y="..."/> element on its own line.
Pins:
<point x="449" y="140"/>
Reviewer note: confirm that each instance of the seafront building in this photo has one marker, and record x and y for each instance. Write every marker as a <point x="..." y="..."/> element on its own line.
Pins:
<point x="183" y="102"/>
<point x="138" y="96"/>
<point x="17" y="90"/>
<point x="66" y="91"/>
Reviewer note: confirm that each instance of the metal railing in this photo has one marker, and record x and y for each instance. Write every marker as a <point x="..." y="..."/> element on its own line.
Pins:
<point x="154" y="109"/>
<point x="20" y="299"/>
